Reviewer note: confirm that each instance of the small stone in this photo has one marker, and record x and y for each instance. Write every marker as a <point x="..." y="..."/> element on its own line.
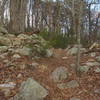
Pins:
<point x="93" y="54"/>
<point x="91" y="60"/>
<point x="34" y="64"/>
<point x="42" y="68"/>
<point x="62" y="86"/>
<point x="19" y="75"/>
<point x="72" y="84"/>
<point x="6" y="61"/>
<point x="16" y="56"/>
<point x="2" y="56"/>
<point x="84" y="68"/>
<point x="64" y="58"/>
<point x="97" y="70"/>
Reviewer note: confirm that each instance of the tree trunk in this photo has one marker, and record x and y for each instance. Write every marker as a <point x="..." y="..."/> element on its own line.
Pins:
<point x="79" y="15"/>
<point x="17" y="15"/>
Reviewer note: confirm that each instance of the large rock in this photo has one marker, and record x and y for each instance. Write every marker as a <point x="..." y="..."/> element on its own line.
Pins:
<point x="23" y="36"/>
<point x="3" y="49"/>
<point x="59" y="74"/>
<point x="98" y="58"/>
<point x="10" y="35"/>
<point x="70" y="84"/>
<point x="25" y="51"/>
<point x="17" y="42"/>
<point x="3" y="30"/>
<point x="49" y="53"/>
<point x="74" y="50"/>
<point x="31" y="90"/>
<point x="5" y="41"/>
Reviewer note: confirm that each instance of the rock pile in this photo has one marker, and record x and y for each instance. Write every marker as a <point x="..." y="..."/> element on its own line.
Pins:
<point x="23" y="44"/>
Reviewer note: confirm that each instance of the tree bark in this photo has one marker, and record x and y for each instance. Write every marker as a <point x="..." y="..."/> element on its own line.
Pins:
<point x="17" y="15"/>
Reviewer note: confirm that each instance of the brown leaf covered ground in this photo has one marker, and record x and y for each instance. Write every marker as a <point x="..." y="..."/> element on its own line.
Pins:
<point x="88" y="81"/>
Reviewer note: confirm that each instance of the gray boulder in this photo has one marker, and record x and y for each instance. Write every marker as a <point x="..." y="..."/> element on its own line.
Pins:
<point x="25" y="51"/>
<point x="31" y="90"/>
<point x="3" y="30"/>
<point x="74" y="50"/>
<point x="23" y="36"/>
<point x="98" y="58"/>
<point x="5" y="41"/>
<point x="59" y="74"/>
<point x="70" y="84"/>
<point x="3" y="49"/>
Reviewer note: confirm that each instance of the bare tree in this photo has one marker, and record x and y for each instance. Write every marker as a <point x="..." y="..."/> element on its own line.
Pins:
<point x="78" y="24"/>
